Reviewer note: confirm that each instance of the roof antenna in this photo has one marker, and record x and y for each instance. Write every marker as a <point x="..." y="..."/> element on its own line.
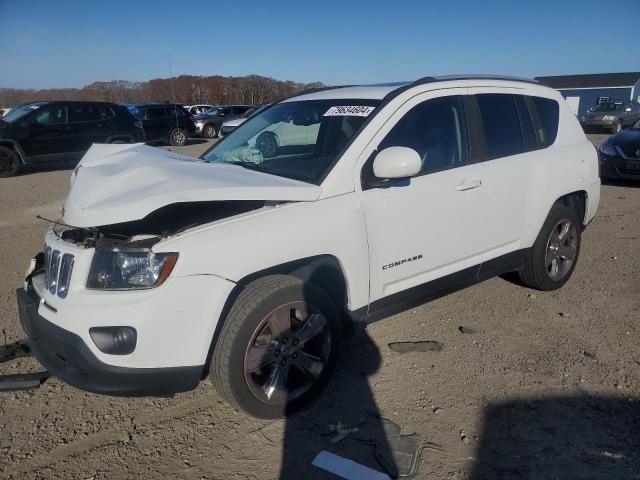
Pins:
<point x="173" y="92"/>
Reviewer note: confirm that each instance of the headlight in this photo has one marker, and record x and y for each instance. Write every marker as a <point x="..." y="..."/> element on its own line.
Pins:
<point x="609" y="118"/>
<point x="607" y="149"/>
<point x="129" y="269"/>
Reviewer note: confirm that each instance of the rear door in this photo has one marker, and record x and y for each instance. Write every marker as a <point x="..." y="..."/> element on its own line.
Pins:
<point x="157" y="123"/>
<point x="515" y="164"/>
<point x="86" y="126"/>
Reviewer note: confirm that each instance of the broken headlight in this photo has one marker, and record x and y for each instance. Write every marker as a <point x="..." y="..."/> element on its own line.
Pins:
<point x="122" y="269"/>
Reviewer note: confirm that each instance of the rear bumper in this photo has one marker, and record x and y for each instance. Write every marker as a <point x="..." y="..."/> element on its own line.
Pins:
<point x="65" y="355"/>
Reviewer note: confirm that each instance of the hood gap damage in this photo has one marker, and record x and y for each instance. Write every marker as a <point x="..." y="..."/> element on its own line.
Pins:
<point x="166" y="221"/>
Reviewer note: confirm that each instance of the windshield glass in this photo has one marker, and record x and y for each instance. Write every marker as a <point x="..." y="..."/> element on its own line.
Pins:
<point x="636" y="126"/>
<point x="299" y="140"/>
<point x="19" y="112"/>
<point x="606" y="107"/>
<point x="211" y="111"/>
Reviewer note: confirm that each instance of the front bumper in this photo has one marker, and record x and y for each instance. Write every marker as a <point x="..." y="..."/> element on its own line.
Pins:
<point x="618" y="167"/>
<point x="66" y="355"/>
<point x="598" y="124"/>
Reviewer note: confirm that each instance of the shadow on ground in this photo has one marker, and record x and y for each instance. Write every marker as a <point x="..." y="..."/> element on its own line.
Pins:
<point x="347" y="404"/>
<point x="620" y="183"/>
<point x="566" y="437"/>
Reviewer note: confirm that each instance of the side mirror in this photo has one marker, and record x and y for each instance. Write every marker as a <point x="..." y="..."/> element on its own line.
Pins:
<point x="397" y="162"/>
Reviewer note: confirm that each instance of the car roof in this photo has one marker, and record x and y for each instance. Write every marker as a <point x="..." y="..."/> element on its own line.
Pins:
<point x="381" y="90"/>
<point x="152" y="104"/>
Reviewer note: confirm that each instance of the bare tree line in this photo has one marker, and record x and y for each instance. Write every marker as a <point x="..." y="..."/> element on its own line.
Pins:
<point x="187" y="89"/>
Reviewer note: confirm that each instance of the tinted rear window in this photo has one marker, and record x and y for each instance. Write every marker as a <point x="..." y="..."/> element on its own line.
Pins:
<point x="548" y="113"/>
<point x="501" y="124"/>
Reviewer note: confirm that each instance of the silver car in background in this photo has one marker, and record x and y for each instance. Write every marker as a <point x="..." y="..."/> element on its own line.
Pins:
<point x="612" y="116"/>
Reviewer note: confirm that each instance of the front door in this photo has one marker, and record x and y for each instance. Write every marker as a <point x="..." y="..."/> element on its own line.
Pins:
<point x="48" y="132"/>
<point x="431" y="225"/>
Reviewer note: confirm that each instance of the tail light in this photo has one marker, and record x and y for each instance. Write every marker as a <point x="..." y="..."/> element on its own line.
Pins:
<point x="137" y="124"/>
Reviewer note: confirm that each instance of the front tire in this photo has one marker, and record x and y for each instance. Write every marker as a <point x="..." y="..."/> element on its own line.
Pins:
<point x="209" y="131"/>
<point x="9" y="162"/>
<point x="178" y="137"/>
<point x="554" y="254"/>
<point x="277" y="347"/>
<point x="267" y="143"/>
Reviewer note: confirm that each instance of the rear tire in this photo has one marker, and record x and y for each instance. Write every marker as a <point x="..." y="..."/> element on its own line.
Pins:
<point x="278" y="328"/>
<point x="554" y="254"/>
<point x="209" y="131"/>
<point x="178" y="137"/>
<point x="9" y="162"/>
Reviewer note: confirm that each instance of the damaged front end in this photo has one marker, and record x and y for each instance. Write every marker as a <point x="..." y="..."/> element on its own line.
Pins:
<point x="124" y="259"/>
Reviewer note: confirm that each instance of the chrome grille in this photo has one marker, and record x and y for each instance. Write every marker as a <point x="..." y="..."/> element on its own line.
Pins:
<point x="57" y="271"/>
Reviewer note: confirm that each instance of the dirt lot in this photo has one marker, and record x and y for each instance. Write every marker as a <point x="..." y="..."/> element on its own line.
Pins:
<point x="535" y="385"/>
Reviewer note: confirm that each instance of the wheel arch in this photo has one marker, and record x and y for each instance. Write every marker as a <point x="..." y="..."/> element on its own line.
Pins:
<point x="15" y="146"/>
<point x="322" y="271"/>
<point x="577" y="201"/>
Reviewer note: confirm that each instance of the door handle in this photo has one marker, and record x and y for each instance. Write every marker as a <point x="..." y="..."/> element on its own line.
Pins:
<point x="470" y="185"/>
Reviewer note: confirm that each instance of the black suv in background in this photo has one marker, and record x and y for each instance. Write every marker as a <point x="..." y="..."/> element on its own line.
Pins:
<point x="49" y="131"/>
<point x="208" y="123"/>
<point x="164" y="122"/>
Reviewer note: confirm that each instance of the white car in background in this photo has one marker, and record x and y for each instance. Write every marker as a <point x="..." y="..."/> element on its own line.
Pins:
<point x="197" y="109"/>
<point x="246" y="265"/>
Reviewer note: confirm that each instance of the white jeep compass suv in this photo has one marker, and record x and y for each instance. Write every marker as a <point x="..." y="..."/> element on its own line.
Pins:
<point x="245" y="267"/>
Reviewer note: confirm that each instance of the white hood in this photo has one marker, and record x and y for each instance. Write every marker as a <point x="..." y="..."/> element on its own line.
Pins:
<point x="121" y="183"/>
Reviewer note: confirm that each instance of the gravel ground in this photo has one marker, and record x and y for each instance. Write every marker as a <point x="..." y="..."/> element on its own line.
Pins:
<point x="534" y="385"/>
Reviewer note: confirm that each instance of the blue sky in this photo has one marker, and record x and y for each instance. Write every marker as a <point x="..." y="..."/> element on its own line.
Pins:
<point x="63" y="43"/>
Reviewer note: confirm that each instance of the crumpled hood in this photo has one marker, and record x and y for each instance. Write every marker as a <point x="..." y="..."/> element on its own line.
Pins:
<point x="122" y="183"/>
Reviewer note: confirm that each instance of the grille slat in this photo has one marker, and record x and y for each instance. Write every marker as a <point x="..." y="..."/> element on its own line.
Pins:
<point x="57" y="271"/>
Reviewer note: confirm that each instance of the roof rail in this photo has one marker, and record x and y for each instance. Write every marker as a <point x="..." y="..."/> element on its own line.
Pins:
<point x="318" y="89"/>
<point x="446" y="78"/>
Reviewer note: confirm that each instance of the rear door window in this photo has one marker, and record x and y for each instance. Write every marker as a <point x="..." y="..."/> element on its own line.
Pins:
<point x="154" y="113"/>
<point x="501" y="124"/>
<point x="548" y="112"/>
<point x="526" y="124"/>
<point x="84" y="113"/>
